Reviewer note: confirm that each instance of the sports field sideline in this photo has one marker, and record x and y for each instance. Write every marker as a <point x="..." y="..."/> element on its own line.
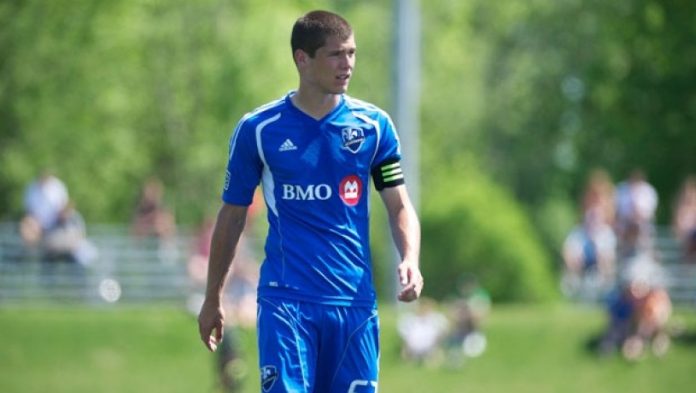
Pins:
<point x="531" y="349"/>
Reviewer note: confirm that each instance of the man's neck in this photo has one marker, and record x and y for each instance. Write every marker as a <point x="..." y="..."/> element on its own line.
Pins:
<point x="315" y="105"/>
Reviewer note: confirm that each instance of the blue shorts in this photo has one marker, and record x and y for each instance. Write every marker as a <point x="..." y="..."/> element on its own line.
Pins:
<point x="307" y="347"/>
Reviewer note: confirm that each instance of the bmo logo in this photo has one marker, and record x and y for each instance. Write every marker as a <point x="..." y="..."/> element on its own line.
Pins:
<point x="350" y="190"/>
<point x="311" y="192"/>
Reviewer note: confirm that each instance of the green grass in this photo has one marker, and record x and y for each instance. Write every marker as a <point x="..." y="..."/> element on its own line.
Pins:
<point x="531" y="349"/>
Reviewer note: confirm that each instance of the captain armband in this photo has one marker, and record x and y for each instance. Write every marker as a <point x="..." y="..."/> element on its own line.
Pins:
<point x="388" y="174"/>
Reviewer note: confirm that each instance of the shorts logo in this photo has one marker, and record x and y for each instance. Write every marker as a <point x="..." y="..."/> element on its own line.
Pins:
<point x="350" y="190"/>
<point x="269" y="374"/>
<point x="360" y="385"/>
<point x="228" y="175"/>
<point x="352" y="138"/>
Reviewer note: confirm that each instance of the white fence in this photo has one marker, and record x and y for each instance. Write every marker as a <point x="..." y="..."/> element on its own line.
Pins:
<point x="130" y="270"/>
<point x="679" y="276"/>
<point x="126" y="270"/>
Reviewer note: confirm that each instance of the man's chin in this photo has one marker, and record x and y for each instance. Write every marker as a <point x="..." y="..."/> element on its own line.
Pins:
<point x="340" y="90"/>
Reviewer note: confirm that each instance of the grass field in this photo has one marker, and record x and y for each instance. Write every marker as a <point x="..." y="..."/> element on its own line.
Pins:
<point x="531" y="349"/>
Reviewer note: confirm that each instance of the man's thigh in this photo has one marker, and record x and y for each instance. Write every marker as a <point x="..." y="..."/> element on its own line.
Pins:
<point x="287" y="347"/>
<point x="306" y="347"/>
<point x="349" y="354"/>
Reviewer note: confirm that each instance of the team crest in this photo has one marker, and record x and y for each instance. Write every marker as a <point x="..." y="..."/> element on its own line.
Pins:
<point x="353" y="138"/>
<point x="269" y="374"/>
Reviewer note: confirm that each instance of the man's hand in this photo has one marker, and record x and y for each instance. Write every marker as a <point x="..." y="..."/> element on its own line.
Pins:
<point x="411" y="281"/>
<point x="210" y="324"/>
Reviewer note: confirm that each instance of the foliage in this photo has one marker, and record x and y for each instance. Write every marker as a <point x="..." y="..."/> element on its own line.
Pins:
<point x="572" y="85"/>
<point x="537" y="93"/>
<point x="476" y="229"/>
<point x="107" y="94"/>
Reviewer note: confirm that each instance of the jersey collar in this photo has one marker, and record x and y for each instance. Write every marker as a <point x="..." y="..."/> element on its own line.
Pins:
<point x="336" y="109"/>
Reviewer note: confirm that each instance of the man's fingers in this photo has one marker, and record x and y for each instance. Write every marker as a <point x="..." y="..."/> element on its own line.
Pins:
<point x="403" y="275"/>
<point x="212" y="344"/>
<point x="214" y="338"/>
<point x="203" y="332"/>
<point x="210" y="330"/>
<point x="219" y="332"/>
<point x="412" y="289"/>
<point x="408" y="295"/>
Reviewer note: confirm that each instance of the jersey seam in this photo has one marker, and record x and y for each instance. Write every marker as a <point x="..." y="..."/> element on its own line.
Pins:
<point x="345" y="350"/>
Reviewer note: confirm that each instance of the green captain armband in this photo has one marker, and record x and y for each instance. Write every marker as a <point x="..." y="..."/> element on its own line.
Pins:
<point x="388" y="174"/>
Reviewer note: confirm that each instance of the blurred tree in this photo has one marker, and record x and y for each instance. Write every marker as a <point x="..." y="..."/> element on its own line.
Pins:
<point x="110" y="93"/>
<point x="477" y="229"/>
<point x="572" y="85"/>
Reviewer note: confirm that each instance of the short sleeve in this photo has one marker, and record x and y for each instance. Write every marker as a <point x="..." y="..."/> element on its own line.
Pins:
<point x="244" y="166"/>
<point x="388" y="148"/>
<point x="386" y="168"/>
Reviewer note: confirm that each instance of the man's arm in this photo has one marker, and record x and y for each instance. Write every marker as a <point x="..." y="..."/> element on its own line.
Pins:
<point x="223" y="246"/>
<point x="405" y="230"/>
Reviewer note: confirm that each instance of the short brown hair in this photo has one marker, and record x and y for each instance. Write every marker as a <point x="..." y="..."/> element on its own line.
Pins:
<point x="311" y="31"/>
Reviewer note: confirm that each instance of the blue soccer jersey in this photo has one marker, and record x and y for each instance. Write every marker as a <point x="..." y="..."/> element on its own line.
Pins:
<point x="315" y="176"/>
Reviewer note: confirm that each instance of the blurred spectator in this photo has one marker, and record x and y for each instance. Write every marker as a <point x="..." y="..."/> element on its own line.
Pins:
<point x="198" y="261"/>
<point x="152" y="218"/>
<point x="65" y="247"/>
<point x="598" y="199"/>
<point x="240" y="292"/>
<point x="240" y="295"/>
<point x="421" y="331"/>
<point x="636" y="203"/>
<point x="466" y="338"/>
<point x="66" y="240"/>
<point x="639" y="311"/>
<point x="44" y="199"/>
<point x="240" y="301"/>
<point x="589" y="250"/>
<point x="620" y="310"/>
<point x="684" y="219"/>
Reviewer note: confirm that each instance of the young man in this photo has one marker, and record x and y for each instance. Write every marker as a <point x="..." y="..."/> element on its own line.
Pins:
<point x="314" y="152"/>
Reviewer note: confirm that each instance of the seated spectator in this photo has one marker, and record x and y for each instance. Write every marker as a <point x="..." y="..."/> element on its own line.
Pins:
<point x="636" y="203"/>
<point x="152" y="218"/>
<point x="421" y="331"/>
<point x="684" y="219"/>
<point x="44" y="199"/>
<point x="598" y="199"/>
<point x="640" y="311"/>
<point x="465" y="338"/>
<point x="652" y="305"/>
<point x="66" y="240"/>
<point x="621" y="313"/>
<point x="589" y="250"/>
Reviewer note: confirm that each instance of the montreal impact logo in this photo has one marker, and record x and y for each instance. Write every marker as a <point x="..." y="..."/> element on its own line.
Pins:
<point x="269" y="374"/>
<point x="352" y="138"/>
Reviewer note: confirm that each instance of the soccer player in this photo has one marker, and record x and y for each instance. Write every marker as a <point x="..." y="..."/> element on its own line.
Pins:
<point x="314" y="151"/>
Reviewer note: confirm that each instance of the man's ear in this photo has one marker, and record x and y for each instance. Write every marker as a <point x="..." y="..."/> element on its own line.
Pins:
<point x="300" y="57"/>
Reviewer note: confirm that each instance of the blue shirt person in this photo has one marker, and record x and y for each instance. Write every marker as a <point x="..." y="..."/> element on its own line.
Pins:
<point x="315" y="152"/>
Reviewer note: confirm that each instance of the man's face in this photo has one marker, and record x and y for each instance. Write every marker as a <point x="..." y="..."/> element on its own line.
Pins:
<point x="332" y="66"/>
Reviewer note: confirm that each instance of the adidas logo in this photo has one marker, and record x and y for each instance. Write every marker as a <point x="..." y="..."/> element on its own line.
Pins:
<point x="287" y="146"/>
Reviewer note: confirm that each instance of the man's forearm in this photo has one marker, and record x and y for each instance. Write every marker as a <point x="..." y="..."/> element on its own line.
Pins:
<point x="405" y="227"/>
<point x="406" y="233"/>
<point x="228" y="229"/>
